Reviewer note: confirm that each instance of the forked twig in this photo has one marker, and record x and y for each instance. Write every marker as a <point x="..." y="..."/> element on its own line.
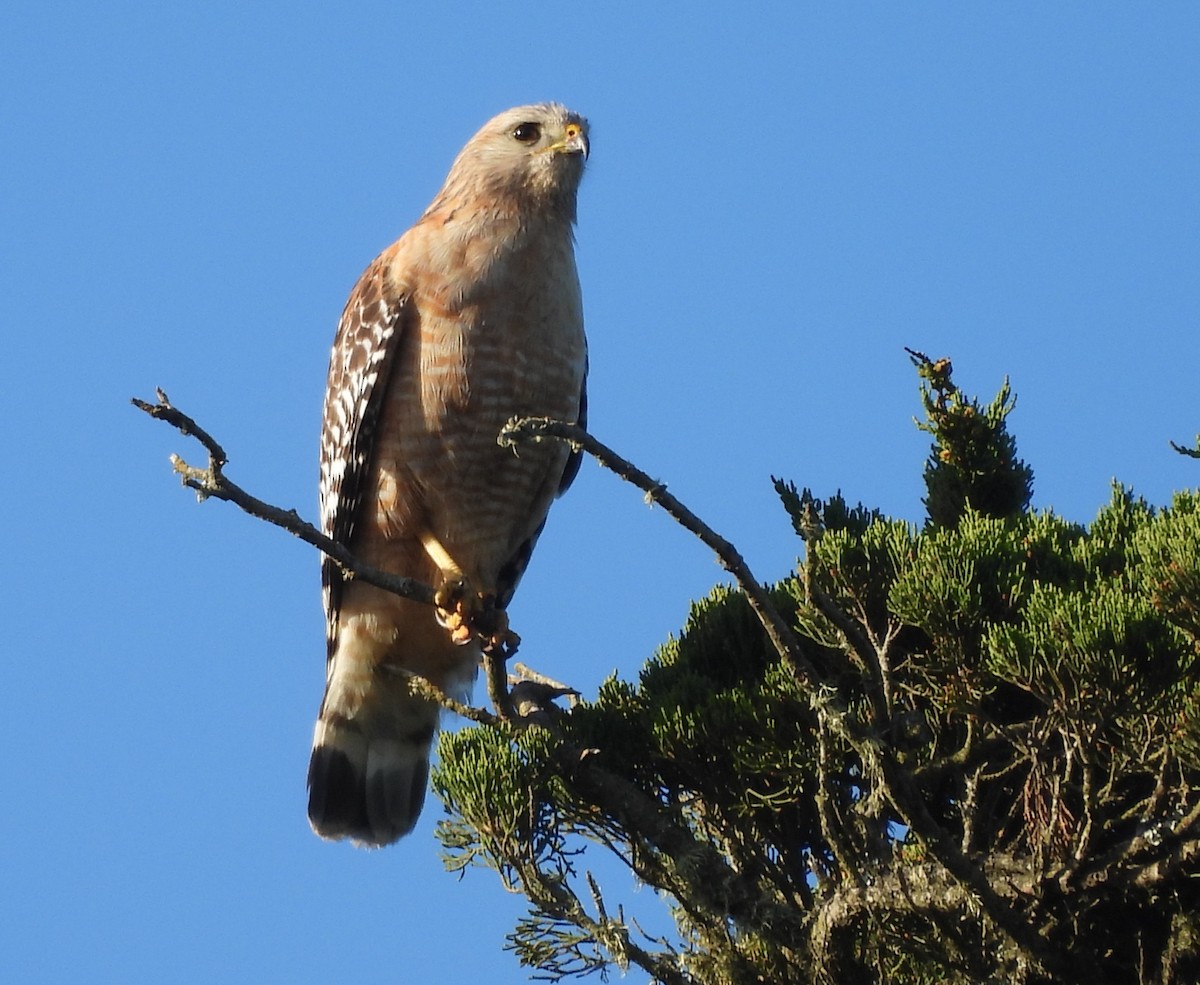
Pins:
<point x="212" y="482"/>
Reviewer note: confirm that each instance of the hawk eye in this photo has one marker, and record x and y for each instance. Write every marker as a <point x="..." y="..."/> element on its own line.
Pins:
<point x="527" y="133"/>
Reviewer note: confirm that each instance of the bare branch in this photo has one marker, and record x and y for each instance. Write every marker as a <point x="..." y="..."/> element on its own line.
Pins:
<point x="526" y="673"/>
<point x="1190" y="452"/>
<point x="212" y="482"/>
<point x="556" y="900"/>
<point x="164" y="411"/>
<point x="431" y="692"/>
<point x="782" y="637"/>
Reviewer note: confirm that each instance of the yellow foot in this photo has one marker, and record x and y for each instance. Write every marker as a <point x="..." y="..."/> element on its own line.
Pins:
<point x="456" y="605"/>
<point x="468" y="614"/>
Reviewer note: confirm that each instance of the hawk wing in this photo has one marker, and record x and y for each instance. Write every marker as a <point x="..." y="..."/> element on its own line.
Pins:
<point x="368" y="336"/>
<point x="572" y="468"/>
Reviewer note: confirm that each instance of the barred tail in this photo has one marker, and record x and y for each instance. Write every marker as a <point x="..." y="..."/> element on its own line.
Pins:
<point x="370" y="764"/>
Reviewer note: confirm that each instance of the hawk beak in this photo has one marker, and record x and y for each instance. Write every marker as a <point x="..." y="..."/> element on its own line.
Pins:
<point x="574" y="141"/>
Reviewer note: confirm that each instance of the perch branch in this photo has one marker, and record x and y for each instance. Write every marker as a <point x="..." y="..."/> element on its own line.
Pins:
<point x="211" y="482"/>
<point x="496" y="676"/>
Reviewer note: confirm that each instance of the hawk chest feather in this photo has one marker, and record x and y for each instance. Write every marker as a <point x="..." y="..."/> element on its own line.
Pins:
<point x="502" y="338"/>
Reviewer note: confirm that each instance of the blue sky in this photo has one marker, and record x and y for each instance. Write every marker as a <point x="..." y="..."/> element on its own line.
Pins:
<point x="778" y="201"/>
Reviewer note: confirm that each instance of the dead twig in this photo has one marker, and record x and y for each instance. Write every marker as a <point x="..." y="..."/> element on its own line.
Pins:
<point x="211" y="482"/>
<point x="782" y="637"/>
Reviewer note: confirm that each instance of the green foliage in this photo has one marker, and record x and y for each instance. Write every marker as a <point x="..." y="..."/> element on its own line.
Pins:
<point x="973" y="463"/>
<point x="995" y="777"/>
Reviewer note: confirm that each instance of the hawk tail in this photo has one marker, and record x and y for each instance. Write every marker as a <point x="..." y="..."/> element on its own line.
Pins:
<point x="368" y="771"/>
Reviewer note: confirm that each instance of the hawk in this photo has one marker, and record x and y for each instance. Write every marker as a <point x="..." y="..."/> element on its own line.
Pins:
<point x="471" y="317"/>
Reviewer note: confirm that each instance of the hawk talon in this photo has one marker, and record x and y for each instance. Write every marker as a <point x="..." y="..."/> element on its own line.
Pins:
<point x="449" y="596"/>
<point x="453" y="608"/>
<point x="468" y="614"/>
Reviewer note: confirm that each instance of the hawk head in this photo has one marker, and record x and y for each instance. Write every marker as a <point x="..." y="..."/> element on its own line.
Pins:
<point x="530" y="157"/>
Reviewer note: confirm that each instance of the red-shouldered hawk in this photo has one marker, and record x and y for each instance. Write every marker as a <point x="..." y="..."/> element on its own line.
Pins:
<point x="473" y="316"/>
